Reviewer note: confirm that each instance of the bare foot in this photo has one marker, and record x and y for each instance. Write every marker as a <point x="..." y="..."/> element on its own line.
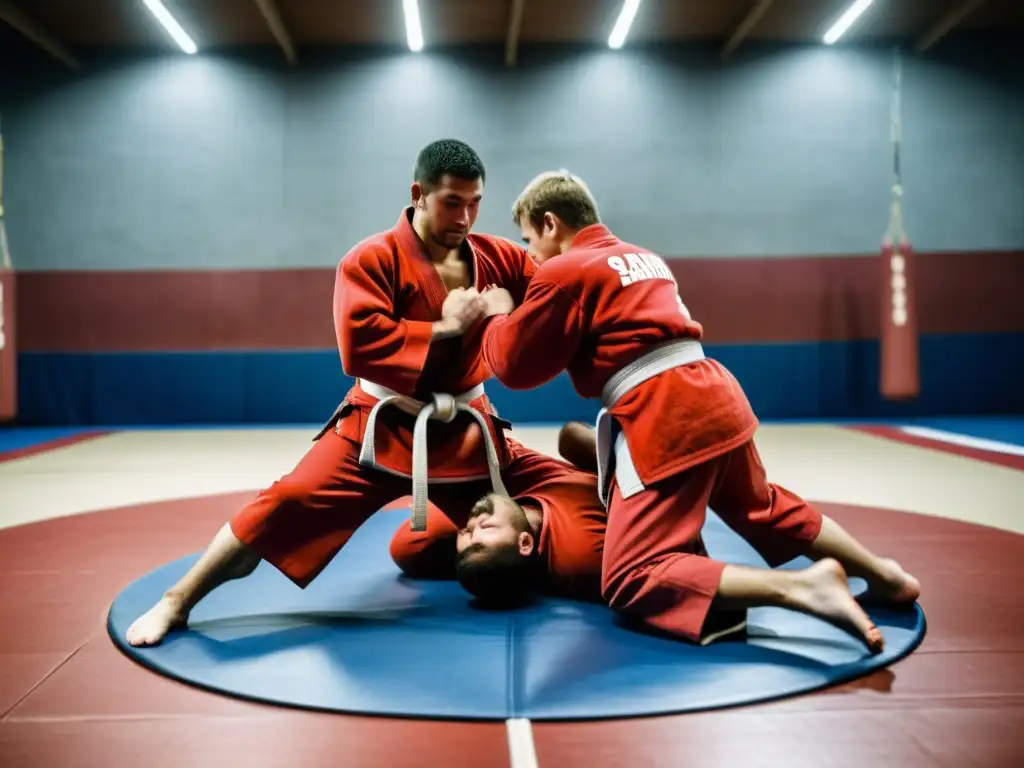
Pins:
<point x="825" y="593"/>
<point x="152" y="626"/>
<point x="895" y="586"/>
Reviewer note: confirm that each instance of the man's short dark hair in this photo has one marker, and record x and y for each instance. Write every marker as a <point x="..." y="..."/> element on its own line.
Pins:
<point x="447" y="157"/>
<point x="498" y="577"/>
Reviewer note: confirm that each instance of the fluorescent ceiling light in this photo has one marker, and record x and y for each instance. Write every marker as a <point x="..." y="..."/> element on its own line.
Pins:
<point x="413" y="31"/>
<point x="173" y="27"/>
<point x="846" y="21"/>
<point x="623" y="23"/>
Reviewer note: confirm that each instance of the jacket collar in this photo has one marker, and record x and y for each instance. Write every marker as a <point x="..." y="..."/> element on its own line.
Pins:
<point x="594" y="235"/>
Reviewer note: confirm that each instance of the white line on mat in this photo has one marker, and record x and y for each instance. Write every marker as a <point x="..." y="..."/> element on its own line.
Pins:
<point x="965" y="440"/>
<point x="520" y="743"/>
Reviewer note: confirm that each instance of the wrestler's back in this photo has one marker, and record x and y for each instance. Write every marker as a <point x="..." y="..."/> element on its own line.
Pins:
<point x="629" y="301"/>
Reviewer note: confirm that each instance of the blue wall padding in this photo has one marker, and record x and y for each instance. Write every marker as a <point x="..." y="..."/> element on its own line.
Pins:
<point x="969" y="374"/>
<point x="14" y="439"/>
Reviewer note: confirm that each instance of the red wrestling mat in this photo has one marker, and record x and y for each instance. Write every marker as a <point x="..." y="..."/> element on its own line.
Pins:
<point x="68" y="696"/>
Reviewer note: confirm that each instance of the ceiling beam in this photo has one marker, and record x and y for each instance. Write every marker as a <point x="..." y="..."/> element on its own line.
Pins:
<point x="749" y="22"/>
<point x="946" y="23"/>
<point x="515" y="23"/>
<point x="271" y="14"/>
<point x="34" y="32"/>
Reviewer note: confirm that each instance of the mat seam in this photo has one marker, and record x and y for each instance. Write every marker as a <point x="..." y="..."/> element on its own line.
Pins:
<point x="510" y="665"/>
<point x="145" y="718"/>
<point x="45" y="677"/>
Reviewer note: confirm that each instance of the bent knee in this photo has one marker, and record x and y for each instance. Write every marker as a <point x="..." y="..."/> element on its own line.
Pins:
<point x="577" y="445"/>
<point x="618" y="588"/>
<point x="290" y="492"/>
<point x="631" y="586"/>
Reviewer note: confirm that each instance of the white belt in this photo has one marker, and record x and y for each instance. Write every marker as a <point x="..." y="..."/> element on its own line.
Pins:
<point x="663" y="357"/>
<point x="443" y="407"/>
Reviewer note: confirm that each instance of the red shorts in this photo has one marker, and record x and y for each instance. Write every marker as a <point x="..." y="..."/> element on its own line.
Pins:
<point x="655" y="565"/>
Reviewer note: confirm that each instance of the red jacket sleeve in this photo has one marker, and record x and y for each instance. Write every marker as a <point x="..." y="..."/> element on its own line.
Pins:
<point x="537" y="341"/>
<point x="525" y="267"/>
<point x="517" y="269"/>
<point x="374" y="344"/>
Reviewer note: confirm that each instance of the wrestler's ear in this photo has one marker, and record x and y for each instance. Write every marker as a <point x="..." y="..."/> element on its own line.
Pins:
<point x="419" y="197"/>
<point x="525" y="543"/>
<point x="550" y="222"/>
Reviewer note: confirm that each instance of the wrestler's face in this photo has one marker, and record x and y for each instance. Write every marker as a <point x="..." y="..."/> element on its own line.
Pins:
<point x="545" y="242"/>
<point x="496" y="522"/>
<point x="449" y="210"/>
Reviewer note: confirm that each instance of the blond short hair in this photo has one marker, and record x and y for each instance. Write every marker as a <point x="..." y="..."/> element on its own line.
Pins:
<point x="558" y="192"/>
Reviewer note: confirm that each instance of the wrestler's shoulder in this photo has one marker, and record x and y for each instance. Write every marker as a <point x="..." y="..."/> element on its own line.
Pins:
<point x="376" y="247"/>
<point x="568" y="269"/>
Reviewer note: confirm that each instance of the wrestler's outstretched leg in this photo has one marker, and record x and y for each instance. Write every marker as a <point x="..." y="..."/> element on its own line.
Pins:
<point x="781" y="525"/>
<point x="749" y="489"/>
<point x="656" y="568"/>
<point x="297" y="525"/>
<point x="226" y="558"/>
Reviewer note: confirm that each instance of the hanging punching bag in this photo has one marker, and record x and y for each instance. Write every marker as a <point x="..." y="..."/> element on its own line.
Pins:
<point x="8" y="348"/>
<point x="899" y="367"/>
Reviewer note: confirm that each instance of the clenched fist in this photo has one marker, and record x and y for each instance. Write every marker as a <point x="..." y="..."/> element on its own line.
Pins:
<point x="462" y="308"/>
<point x="497" y="301"/>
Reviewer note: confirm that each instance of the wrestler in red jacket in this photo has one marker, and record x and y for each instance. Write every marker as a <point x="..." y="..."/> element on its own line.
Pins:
<point x="674" y="436"/>
<point x="413" y="345"/>
<point x="551" y="540"/>
<point x="550" y="537"/>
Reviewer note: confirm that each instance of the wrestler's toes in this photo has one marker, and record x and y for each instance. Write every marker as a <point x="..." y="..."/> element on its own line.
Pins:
<point x="874" y="640"/>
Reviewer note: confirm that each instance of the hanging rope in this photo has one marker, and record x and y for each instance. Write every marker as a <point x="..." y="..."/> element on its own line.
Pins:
<point x="895" y="233"/>
<point x="899" y="365"/>
<point x="5" y="254"/>
<point x="8" y="352"/>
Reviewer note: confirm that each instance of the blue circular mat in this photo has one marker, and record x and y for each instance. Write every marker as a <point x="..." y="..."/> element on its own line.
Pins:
<point x="364" y="639"/>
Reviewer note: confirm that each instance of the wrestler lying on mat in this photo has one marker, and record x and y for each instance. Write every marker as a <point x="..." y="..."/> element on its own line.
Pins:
<point x="675" y="428"/>
<point x="552" y="542"/>
<point x="559" y="519"/>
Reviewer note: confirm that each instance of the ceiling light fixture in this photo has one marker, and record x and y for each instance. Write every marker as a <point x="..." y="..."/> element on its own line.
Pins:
<point x="623" y="23"/>
<point x="846" y="21"/>
<point x="413" y="30"/>
<point x="171" y="25"/>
